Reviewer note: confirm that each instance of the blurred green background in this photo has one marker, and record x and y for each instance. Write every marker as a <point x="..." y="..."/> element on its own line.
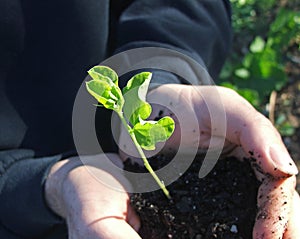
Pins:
<point x="264" y="66"/>
<point x="266" y="43"/>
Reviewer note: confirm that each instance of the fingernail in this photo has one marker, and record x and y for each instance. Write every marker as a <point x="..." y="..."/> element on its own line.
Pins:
<point x="283" y="161"/>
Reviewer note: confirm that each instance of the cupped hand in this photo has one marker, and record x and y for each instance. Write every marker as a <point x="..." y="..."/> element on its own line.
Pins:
<point x="211" y="117"/>
<point x="93" y="202"/>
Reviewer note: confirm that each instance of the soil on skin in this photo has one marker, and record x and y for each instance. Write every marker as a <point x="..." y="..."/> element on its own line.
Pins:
<point x="221" y="205"/>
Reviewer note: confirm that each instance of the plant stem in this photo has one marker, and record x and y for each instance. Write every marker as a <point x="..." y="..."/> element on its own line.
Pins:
<point x="143" y="156"/>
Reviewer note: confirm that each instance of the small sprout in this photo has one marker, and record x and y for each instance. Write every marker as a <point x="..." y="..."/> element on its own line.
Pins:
<point x="131" y="106"/>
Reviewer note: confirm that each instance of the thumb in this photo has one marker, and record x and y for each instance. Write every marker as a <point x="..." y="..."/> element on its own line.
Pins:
<point x="293" y="230"/>
<point x="133" y="219"/>
<point x="258" y="137"/>
<point x="274" y="201"/>
<point x="261" y="142"/>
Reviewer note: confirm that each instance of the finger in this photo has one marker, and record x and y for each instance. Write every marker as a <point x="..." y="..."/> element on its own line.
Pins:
<point x="274" y="203"/>
<point x="261" y="142"/>
<point x="293" y="229"/>
<point x="254" y="133"/>
<point x="133" y="219"/>
<point x="110" y="228"/>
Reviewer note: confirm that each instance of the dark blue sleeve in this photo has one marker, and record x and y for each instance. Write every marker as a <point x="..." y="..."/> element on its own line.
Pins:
<point x="23" y="209"/>
<point x="200" y="29"/>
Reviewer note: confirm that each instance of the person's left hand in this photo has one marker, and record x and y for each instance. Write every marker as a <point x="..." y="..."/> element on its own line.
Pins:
<point x="247" y="134"/>
<point x="93" y="201"/>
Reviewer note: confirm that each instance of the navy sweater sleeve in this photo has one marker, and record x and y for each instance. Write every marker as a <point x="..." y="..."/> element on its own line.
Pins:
<point x="200" y="29"/>
<point x="23" y="211"/>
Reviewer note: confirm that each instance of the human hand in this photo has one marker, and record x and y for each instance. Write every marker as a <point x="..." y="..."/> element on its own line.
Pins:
<point x="92" y="209"/>
<point x="243" y="133"/>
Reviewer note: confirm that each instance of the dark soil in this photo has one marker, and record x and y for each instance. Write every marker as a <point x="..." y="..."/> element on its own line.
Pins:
<point x="221" y="205"/>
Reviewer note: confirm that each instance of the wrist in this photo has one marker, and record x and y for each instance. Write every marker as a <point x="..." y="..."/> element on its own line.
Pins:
<point x="54" y="191"/>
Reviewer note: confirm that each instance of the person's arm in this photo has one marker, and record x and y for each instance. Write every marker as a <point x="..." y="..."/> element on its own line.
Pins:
<point x="198" y="29"/>
<point x="23" y="209"/>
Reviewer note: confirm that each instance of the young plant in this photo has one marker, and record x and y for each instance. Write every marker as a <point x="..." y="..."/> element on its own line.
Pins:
<point x="131" y="106"/>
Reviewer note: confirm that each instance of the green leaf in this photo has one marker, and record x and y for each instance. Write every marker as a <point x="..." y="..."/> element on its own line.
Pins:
<point x="296" y="19"/>
<point x="148" y="133"/>
<point x="284" y="126"/>
<point x="102" y="73"/>
<point x="248" y="60"/>
<point x="104" y="88"/>
<point x="287" y="129"/>
<point x="243" y="73"/>
<point x="229" y="85"/>
<point x="280" y="119"/>
<point x="257" y="45"/>
<point x="110" y="96"/>
<point x="251" y="95"/>
<point x="226" y="70"/>
<point x="136" y="107"/>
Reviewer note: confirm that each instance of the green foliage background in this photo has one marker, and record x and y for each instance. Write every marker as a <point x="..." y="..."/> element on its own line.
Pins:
<point x="264" y="32"/>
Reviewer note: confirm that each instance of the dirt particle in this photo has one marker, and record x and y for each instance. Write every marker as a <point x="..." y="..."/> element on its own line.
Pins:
<point x="262" y="215"/>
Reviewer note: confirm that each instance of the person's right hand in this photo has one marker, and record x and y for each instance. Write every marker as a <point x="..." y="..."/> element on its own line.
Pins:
<point x="209" y="117"/>
<point x="92" y="209"/>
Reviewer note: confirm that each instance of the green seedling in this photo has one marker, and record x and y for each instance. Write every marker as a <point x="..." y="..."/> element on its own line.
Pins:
<point x="131" y="106"/>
